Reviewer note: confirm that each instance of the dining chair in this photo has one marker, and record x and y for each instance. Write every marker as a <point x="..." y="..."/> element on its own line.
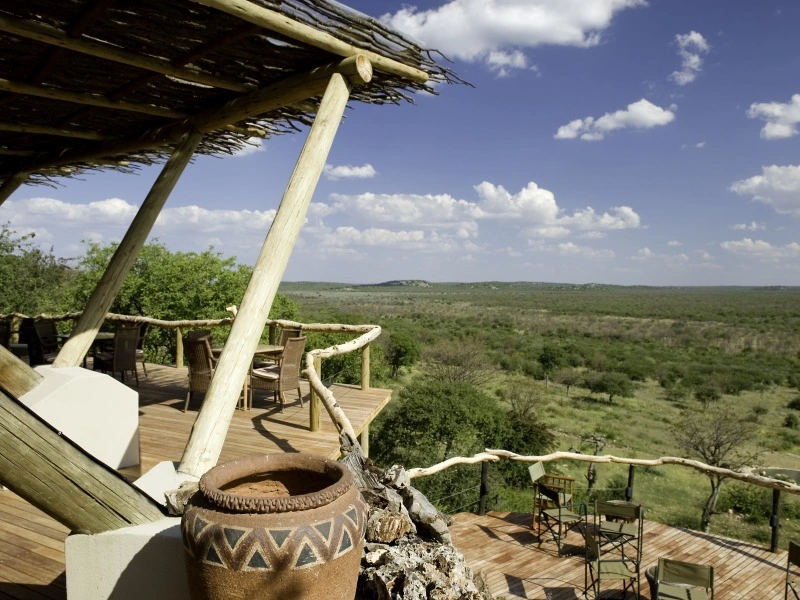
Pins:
<point x="561" y="483"/>
<point x="283" y="376"/>
<point x="601" y="567"/>
<point x="143" y="329"/>
<point x="42" y="340"/>
<point x="678" y="580"/>
<point x="201" y="366"/>
<point x="559" y="520"/>
<point x="272" y="358"/>
<point x="620" y="526"/>
<point x="122" y="357"/>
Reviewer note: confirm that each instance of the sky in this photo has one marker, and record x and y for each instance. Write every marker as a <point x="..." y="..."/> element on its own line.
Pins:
<point x="632" y="142"/>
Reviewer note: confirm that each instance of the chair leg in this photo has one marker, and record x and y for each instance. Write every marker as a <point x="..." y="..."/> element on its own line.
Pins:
<point x="300" y="395"/>
<point x="144" y="368"/>
<point x="136" y="374"/>
<point x="188" y="397"/>
<point x="283" y="399"/>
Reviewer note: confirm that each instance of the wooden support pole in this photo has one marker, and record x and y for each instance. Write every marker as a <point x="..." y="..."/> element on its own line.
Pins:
<point x="12" y="184"/>
<point x="365" y="369"/>
<point x="87" y="326"/>
<point x="629" y="488"/>
<point x="315" y="402"/>
<point x="16" y="377"/>
<point x="178" y="348"/>
<point x="57" y="477"/>
<point x="273" y="330"/>
<point x="211" y="427"/>
<point x="775" y="521"/>
<point x="363" y="440"/>
<point x="484" y="489"/>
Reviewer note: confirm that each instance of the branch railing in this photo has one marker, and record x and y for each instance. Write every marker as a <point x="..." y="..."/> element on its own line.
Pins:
<point x="320" y="394"/>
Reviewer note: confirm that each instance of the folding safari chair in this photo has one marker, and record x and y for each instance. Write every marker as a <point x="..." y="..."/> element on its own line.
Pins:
<point x="792" y="576"/>
<point x="601" y="567"/>
<point x="561" y="483"/>
<point x="678" y="580"/>
<point x="620" y="526"/>
<point x="559" y="520"/>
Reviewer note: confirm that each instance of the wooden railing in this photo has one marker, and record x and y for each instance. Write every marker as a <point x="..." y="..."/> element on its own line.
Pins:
<point x="320" y="394"/>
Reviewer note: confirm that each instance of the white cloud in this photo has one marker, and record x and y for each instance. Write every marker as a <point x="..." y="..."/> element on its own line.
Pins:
<point x="761" y="249"/>
<point x="334" y="173"/>
<point x="484" y="30"/>
<point x="57" y="212"/>
<point x="704" y="255"/>
<point x="641" y="114"/>
<point x="777" y="186"/>
<point x="752" y="226"/>
<point x="500" y="61"/>
<point x="350" y="236"/>
<point x="691" y="48"/>
<point x="430" y="209"/>
<point x="674" y="243"/>
<point x="570" y="249"/>
<point x="253" y="145"/>
<point x="781" y="118"/>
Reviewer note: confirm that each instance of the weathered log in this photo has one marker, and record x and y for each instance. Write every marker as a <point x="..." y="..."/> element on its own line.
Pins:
<point x="210" y="429"/>
<point x="11" y="184"/>
<point x="497" y="455"/>
<point x="124" y="257"/>
<point x="56" y="476"/>
<point x="16" y="376"/>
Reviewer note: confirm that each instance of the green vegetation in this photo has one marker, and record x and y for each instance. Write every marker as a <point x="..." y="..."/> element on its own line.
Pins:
<point x="625" y="365"/>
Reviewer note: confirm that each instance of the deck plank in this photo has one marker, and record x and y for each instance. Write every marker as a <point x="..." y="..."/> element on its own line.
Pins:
<point x="32" y="543"/>
<point x="504" y="548"/>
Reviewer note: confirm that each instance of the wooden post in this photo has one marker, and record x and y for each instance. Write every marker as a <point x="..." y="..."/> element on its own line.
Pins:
<point x="363" y="440"/>
<point x="178" y="348"/>
<point x="365" y="369"/>
<point x="629" y="488"/>
<point x="16" y="377"/>
<point x="484" y="488"/>
<point x="16" y="321"/>
<point x="210" y="428"/>
<point x="775" y="522"/>
<point x="49" y="472"/>
<point x="87" y="326"/>
<point x="315" y="403"/>
<point x="11" y="185"/>
<point x="273" y="330"/>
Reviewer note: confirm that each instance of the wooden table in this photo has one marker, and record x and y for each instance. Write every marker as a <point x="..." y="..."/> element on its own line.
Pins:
<point x="268" y="350"/>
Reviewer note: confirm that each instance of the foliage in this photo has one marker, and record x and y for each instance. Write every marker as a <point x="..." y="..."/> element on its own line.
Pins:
<point x="794" y="403"/>
<point x="568" y="377"/>
<point x="449" y="361"/>
<point x="523" y="396"/>
<point x="434" y="420"/>
<point x="791" y="421"/>
<point x="34" y="280"/>
<point x="707" y="393"/>
<point x="551" y="357"/>
<point x="751" y="501"/>
<point x="611" y="383"/>
<point x="402" y="350"/>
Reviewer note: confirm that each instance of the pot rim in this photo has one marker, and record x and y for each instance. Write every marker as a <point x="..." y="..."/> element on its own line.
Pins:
<point x="212" y="481"/>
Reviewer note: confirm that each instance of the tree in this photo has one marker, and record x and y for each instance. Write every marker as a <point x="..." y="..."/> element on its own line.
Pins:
<point x="611" y="383"/>
<point x="523" y="396"/>
<point x="717" y="437"/>
<point x="568" y="377"/>
<point x="402" y="350"/>
<point x="707" y="393"/>
<point x="40" y="280"/>
<point x="463" y="361"/>
<point x="550" y="358"/>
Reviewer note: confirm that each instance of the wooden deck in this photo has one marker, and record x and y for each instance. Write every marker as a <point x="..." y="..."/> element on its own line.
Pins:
<point x="504" y="548"/>
<point x="32" y="544"/>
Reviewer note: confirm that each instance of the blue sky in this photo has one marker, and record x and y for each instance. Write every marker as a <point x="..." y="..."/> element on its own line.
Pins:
<point x="610" y="141"/>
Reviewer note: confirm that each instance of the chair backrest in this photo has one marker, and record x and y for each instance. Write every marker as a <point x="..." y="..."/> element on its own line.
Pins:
<point x="291" y="358"/>
<point x="676" y="571"/>
<point x="48" y="335"/>
<point x="551" y="494"/>
<point x="125" y="339"/>
<point x="793" y="557"/>
<point x="619" y="510"/>
<point x="288" y="332"/>
<point x="30" y="332"/>
<point x="143" y="329"/>
<point x="200" y="363"/>
<point x="5" y="332"/>
<point x="536" y="471"/>
<point x="196" y="334"/>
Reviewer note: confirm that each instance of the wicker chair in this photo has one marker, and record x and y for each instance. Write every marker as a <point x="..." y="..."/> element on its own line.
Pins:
<point x="122" y="357"/>
<point x="143" y="329"/>
<point x="273" y="358"/>
<point x="201" y="366"/>
<point x="285" y="375"/>
<point x="42" y="340"/>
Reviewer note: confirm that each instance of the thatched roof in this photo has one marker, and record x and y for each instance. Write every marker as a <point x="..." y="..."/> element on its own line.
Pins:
<point x="88" y="84"/>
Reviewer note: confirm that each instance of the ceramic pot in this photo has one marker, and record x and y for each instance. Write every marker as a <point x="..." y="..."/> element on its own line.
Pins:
<point x="275" y="526"/>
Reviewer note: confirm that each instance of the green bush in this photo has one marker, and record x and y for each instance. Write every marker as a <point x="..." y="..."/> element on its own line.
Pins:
<point x="791" y="421"/>
<point x="794" y="403"/>
<point x="751" y="501"/>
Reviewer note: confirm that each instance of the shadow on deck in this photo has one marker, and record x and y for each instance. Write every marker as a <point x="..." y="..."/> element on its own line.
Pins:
<point x="504" y="548"/>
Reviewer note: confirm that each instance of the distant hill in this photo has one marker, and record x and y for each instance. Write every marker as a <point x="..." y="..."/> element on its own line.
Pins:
<point x="405" y="283"/>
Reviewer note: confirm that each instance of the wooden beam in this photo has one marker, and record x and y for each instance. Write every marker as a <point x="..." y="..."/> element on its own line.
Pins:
<point x="60" y="479"/>
<point x="16" y="377"/>
<point x="287" y="92"/>
<point x="314" y="402"/>
<point x="81" y="134"/>
<point x="56" y="37"/>
<point x="275" y="21"/>
<point x="11" y="184"/>
<point x="211" y="427"/>
<point x="87" y="326"/>
<point x="86" y="99"/>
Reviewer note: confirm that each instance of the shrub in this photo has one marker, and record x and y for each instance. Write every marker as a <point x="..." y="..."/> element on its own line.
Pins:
<point x="791" y="421"/>
<point x="749" y="500"/>
<point x="794" y="403"/>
